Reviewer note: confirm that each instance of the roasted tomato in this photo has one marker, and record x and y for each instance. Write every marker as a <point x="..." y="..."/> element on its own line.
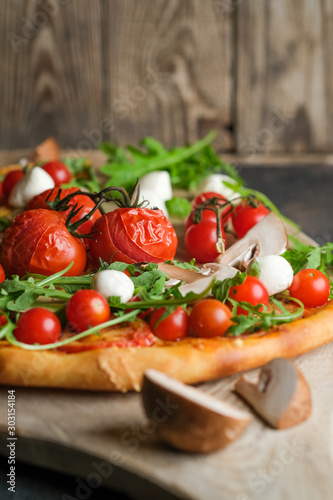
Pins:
<point x="81" y="200"/>
<point x="38" y="241"/>
<point x="133" y="235"/>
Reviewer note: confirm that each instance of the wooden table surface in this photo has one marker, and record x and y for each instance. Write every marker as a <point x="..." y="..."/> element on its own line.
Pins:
<point x="79" y="433"/>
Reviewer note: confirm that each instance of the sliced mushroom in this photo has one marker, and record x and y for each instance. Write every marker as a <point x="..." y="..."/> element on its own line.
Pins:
<point x="281" y="397"/>
<point x="265" y="238"/>
<point x="269" y="235"/>
<point x="187" y="418"/>
<point x="221" y="272"/>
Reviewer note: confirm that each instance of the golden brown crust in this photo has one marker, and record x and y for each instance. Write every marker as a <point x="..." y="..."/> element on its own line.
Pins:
<point x="190" y="360"/>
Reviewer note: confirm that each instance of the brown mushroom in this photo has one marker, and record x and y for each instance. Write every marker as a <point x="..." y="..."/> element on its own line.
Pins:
<point x="187" y="418"/>
<point x="281" y="396"/>
<point x="268" y="237"/>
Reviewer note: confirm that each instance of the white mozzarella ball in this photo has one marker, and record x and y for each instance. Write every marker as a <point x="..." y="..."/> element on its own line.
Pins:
<point x="34" y="182"/>
<point x="215" y="183"/>
<point x="153" y="199"/>
<point x="275" y="273"/>
<point x="111" y="283"/>
<point x="159" y="182"/>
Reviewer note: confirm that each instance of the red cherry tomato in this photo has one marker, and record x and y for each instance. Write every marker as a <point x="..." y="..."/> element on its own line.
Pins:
<point x="226" y="212"/>
<point x="210" y="318"/>
<point x="245" y="217"/>
<point x="38" y="241"/>
<point x="173" y="327"/>
<point x="252" y="291"/>
<point x="200" y="241"/>
<point x="311" y="287"/>
<point x="207" y="216"/>
<point x="81" y="200"/>
<point x="201" y="198"/>
<point x="2" y="274"/>
<point x="10" y="181"/>
<point x="58" y="171"/>
<point x="37" y="326"/>
<point x="133" y="235"/>
<point x="87" y="308"/>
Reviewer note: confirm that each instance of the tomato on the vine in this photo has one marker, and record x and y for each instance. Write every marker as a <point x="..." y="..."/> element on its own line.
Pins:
<point x="201" y="240"/>
<point x="58" y="171"/>
<point x="210" y="318"/>
<point x="310" y="286"/>
<point x="87" y="308"/>
<point x="252" y="290"/>
<point x="38" y="241"/>
<point x="133" y="235"/>
<point x="204" y="197"/>
<point x="10" y="181"/>
<point x="173" y="327"/>
<point x="201" y="198"/>
<point x="81" y="200"/>
<point x="245" y="216"/>
<point x="37" y="326"/>
<point x="207" y="216"/>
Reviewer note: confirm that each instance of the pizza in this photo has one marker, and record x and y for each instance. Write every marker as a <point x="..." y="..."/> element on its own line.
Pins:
<point x="90" y="299"/>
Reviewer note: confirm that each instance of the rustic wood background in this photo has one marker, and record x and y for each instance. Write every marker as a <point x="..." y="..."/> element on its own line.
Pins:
<point x="259" y="72"/>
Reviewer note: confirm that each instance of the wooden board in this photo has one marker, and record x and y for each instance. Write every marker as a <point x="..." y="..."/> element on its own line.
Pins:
<point x="106" y="437"/>
<point x="77" y="433"/>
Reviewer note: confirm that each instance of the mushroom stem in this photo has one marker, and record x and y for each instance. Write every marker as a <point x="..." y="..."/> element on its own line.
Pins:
<point x="269" y="235"/>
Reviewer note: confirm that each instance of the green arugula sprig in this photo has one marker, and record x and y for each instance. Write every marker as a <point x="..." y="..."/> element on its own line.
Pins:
<point x="258" y="319"/>
<point x="306" y="256"/>
<point x="9" y="335"/>
<point x="18" y="294"/>
<point x="84" y="175"/>
<point x="187" y="165"/>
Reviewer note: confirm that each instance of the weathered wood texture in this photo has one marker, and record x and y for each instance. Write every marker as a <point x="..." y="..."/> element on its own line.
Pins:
<point x="260" y="73"/>
<point x="114" y="69"/>
<point x="284" y="76"/>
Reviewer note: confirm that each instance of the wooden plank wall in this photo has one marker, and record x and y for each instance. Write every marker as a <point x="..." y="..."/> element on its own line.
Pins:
<point x="259" y="72"/>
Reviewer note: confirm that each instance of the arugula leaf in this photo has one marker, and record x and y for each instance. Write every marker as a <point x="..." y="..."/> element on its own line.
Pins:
<point x="84" y="175"/>
<point x="306" y="256"/>
<point x="260" y="320"/>
<point x="187" y="165"/>
<point x="183" y="265"/>
<point x="178" y="207"/>
<point x="7" y="332"/>
<point x="254" y="269"/>
<point x="220" y="288"/>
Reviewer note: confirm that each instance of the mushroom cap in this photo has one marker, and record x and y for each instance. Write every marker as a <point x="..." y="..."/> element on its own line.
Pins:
<point x="193" y="421"/>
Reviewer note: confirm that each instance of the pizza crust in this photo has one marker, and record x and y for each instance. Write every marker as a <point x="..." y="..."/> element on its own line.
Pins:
<point x="191" y="360"/>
